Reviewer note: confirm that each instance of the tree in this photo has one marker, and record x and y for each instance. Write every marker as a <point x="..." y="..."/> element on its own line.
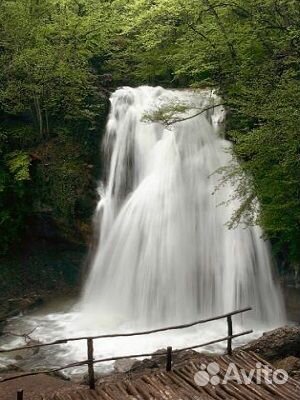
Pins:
<point x="51" y="106"/>
<point x="250" y="51"/>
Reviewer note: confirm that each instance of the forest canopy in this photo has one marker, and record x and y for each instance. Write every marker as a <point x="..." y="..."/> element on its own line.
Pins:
<point x="60" y="59"/>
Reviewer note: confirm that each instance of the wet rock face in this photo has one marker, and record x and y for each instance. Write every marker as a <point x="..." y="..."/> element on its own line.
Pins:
<point x="277" y="344"/>
<point x="13" y="307"/>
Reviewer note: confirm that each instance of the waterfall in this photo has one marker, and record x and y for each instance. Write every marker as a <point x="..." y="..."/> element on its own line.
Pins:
<point x="164" y="252"/>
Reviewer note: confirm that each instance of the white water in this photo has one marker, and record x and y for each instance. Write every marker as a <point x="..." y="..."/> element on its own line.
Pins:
<point x="164" y="255"/>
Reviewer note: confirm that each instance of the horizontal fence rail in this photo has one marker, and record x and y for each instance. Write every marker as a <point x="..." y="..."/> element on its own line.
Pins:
<point x="169" y="352"/>
<point x="114" y="335"/>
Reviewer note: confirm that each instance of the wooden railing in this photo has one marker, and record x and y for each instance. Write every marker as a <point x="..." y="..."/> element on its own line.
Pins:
<point x="91" y="361"/>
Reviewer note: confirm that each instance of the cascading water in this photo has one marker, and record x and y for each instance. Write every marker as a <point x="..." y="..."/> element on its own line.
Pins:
<point x="165" y="253"/>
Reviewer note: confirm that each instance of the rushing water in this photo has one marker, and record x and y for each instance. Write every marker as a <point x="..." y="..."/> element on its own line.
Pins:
<point x="164" y="252"/>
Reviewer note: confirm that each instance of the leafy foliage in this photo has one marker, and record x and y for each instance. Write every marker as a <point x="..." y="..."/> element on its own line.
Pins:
<point x="50" y="92"/>
<point x="53" y="54"/>
<point x="251" y="52"/>
<point x="18" y="164"/>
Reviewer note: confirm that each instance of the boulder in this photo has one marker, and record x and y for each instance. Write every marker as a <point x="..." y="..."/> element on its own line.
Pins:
<point x="277" y="344"/>
<point x="124" y="365"/>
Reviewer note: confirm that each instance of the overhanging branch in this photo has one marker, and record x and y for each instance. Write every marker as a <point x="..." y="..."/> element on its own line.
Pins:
<point x="195" y="115"/>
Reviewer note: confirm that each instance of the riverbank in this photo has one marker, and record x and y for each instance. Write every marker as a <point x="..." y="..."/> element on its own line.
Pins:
<point x="48" y="268"/>
<point x="279" y="347"/>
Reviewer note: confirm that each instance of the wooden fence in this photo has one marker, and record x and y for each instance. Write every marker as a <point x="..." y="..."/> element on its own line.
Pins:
<point x="91" y="361"/>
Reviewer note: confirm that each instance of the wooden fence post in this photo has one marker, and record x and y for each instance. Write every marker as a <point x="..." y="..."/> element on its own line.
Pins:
<point x="90" y="353"/>
<point x="230" y="332"/>
<point x="20" y="394"/>
<point x="169" y="359"/>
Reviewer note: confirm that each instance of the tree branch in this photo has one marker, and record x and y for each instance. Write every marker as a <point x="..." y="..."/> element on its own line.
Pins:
<point x="26" y="336"/>
<point x="195" y="115"/>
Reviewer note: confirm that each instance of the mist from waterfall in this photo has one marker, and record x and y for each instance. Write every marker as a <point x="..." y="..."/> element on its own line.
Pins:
<point x="164" y="252"/>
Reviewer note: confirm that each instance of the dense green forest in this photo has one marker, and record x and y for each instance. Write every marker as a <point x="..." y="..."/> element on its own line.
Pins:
<point x="60" y="59"/>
